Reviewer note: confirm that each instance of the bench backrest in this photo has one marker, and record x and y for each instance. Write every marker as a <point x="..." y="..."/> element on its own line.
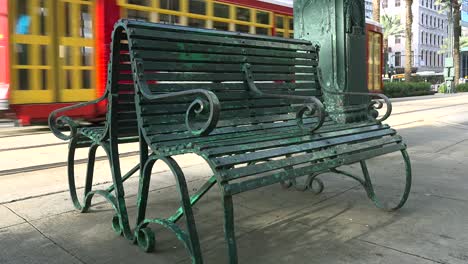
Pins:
<point x="121" y="112"/>
<point x="177" y="58"/>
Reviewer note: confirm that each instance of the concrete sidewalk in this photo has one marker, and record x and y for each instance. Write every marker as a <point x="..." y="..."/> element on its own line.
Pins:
<point x="39" y="225"/>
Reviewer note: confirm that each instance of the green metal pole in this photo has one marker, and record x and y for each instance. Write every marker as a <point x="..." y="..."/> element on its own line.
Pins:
<point x="449" y="67"/>
<point x="338" y="27"/>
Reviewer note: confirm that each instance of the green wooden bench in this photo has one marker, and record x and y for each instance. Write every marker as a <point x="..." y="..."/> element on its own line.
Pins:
<point x="251" y="107"/>
<point x="119" y="127"/>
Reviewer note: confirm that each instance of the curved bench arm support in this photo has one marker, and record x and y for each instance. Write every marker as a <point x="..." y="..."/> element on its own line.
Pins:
<point x="57" y="123"/>
<point x="311" y="104"/>
<point x="206" y="102"/>
<point x="377" y="100"/>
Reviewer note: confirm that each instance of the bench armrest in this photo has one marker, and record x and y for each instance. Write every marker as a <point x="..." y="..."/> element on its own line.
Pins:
<point x="205" y="102"/>
<point x="311" y="104"/>
<point x="56" y="123"/>
<point x="377" y="100"/>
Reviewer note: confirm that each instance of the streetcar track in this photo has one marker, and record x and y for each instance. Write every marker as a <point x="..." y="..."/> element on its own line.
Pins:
<point x="34" y="146"/>
<point x="128" y="154"/>
<point x="427" y="109"/>
<point x="21" y="133"/>
<point x="59" y="164"/>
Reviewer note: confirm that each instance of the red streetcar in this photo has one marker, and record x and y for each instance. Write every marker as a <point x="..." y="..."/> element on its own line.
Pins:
<point x="58" y="49"/>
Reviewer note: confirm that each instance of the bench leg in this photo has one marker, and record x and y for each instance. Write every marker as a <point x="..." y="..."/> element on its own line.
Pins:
<point x="229" y="231"/>
<point x="120" y="220"/>
<point x="89" y="175"/>
<point x="370" y="189"/>
<point x="144" y="235"/>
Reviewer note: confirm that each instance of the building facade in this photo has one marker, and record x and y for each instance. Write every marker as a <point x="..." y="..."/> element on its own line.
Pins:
<point x="430" y="30"/>
<point x="368" y="8"/>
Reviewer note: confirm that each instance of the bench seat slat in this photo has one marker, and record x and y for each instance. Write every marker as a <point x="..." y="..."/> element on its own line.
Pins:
<point x="293" y="132"/>
<point x="291" y="149"/>
<point x="323" y="166"/>
<point x="276" y="143"/>
<point x="231" y="137"/>
<point x="330" y="152"/>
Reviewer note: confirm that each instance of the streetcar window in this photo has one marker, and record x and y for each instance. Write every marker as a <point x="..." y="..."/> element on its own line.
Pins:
<point x="23" y="79"/>
<point x="261" y="31"/>
<point x="68" y="78"/>
<point x="43" y="51"/>
<point x="242" y="28"/>
<point x="220" y="25"/>
<point x="221" y="10"/>
<point x="86" y="79"/>
<point x="263" y="18"/>
<point x="279" y="34"/>
<point x="22" y="53"/>
<point x="291" y="23"/>
<point x="68" y="16"/>
<point x="137" y="14"/>
<point x="23" y="23"/>
<point x="86" y="56"/>
<point x="169" y="4"/>
<point x="193" y="22"/>
<point x="43" y="11"/>
<point x="140" y="2"/>
<point x="44" y="79"/>
<point x="279" y="22"/>
<point x="68" y="56"/>
<point x="86" y="26"/>
<point x="243" y="14"/>
<point x="169" y="19"/>
<point x="197" y="7"/>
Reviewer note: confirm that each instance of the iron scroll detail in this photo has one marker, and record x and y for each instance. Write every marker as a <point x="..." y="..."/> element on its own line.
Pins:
<point x="206" y="103"/>
<point x="57" y="123"/>
<point x="376" y="102"/>
<point x="311" y="105"/>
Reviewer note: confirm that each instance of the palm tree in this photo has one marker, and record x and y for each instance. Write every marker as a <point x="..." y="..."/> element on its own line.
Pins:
<point x="444" y="47"/>
<point x="376" y="10"/>
<point x="456" y="5"/>
<point x="391" y="27"/>
<point x="448" y="6"/>
<point x="409" y="40"/>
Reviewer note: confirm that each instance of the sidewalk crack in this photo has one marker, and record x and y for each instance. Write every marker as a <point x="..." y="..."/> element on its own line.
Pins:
<point x="403" y="252"/>
<point x="46" y="237"/>
<point x="451" y="145"/>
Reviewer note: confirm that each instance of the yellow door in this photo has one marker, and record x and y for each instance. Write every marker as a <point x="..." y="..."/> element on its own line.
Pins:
<point x="52" y="51"/>
<point x="76" y="50"/>
<point x="31" y="56"/>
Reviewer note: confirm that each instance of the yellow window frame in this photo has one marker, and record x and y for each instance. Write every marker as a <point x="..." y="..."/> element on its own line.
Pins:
<point x="34" y="40"/>
<point x="76" y="92"/>
<point x="286" y="30"/>
<point x="184" y="14"/>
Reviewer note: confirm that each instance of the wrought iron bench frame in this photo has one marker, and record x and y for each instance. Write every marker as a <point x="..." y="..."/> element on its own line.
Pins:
<point x="93" y="137"/>
<point x="207" y="102"/>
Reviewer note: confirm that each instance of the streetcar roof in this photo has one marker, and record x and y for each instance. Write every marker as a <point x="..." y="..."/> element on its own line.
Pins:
<point x="288" y="3"/>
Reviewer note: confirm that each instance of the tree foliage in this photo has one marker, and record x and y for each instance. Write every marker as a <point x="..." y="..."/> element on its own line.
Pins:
<point x="392" y="26"/>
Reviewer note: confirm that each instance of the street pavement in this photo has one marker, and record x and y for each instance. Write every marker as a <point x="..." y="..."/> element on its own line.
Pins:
<point x="273" y="225"/>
